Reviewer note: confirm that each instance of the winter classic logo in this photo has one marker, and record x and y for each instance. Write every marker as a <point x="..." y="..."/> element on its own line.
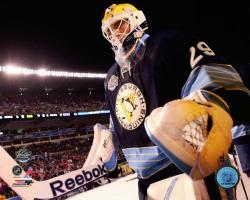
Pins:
<point x="130" y="106"/>
<point x="113" y="82"/>
<point x="23" y="155"/>
<point x="227" y="177"/>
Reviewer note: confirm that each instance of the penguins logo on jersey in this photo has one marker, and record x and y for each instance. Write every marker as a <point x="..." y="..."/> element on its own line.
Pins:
<point x="130" y="106"/>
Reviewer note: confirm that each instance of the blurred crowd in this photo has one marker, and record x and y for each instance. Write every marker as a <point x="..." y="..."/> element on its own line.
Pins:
<point x="56" y="157"/>
<point x="48" y="103"/>
<point x="51" y="159"/>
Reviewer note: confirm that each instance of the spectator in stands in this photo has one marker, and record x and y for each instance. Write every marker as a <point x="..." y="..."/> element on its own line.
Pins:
<point x="54" y="103"/>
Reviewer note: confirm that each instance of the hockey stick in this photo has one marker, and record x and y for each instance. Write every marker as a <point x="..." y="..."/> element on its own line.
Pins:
<point x="53" y="187"/>
<point x="242" y="183"/>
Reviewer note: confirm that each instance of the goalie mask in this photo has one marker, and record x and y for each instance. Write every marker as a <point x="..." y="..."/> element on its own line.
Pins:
<point x="123" y="26"/>
<point x="195" y="136"/>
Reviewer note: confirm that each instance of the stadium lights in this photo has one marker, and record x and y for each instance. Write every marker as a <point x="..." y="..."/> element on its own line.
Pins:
<point x="53" y="115"/>
<point x="49" y="115"/>
<point x="14" y="70"/>
<point x="42" y="72"/>
<point x="8" y="117"/>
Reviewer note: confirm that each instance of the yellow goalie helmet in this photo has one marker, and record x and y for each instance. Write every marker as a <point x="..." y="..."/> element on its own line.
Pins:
<point x="116" y="16"/>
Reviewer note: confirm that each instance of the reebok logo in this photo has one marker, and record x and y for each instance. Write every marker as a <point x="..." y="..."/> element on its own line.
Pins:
<point x="58" y="187"/>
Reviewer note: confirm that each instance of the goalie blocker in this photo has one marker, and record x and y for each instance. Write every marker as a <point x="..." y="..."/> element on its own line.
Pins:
<point x="194" y="133"/>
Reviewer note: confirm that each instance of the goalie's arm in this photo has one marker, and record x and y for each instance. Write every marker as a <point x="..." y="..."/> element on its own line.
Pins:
<point x="222" y="80"/>
<point x="238" y="102"/>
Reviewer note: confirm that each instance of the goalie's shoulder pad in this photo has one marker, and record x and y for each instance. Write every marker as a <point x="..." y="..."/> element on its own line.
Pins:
<point x="195" y="136"/>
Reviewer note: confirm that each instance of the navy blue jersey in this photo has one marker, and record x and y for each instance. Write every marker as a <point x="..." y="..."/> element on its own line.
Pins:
<point x="157" y="79"/>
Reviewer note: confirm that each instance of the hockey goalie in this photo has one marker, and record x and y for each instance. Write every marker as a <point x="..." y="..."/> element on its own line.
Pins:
<point x="172" y="102"/>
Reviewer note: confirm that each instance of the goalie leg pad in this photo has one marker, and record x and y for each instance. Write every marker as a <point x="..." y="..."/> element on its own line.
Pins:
<point x="178" y="187"/>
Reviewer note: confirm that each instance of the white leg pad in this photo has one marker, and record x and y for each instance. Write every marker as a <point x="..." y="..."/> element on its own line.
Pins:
<point x="178" y="187"/>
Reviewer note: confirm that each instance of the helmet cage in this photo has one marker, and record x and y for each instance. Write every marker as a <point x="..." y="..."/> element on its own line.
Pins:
<point x="133" y="18"/>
